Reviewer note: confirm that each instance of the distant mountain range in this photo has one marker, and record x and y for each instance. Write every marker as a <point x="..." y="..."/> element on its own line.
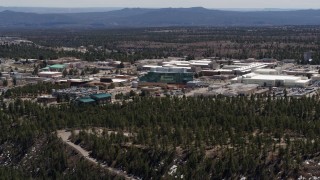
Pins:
<point x="139" y="17"/>
<point x="46" y="10"/>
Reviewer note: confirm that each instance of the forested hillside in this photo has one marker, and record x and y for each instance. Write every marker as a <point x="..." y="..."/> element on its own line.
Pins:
<point x="287" y="42"/>
<point x="160" y="138"/>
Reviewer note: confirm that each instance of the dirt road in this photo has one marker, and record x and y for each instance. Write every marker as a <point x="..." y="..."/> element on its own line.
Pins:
<point x="64" y="135"/>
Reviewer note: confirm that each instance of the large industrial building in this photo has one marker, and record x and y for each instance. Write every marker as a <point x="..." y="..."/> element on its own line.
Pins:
<point x="203" y="63"/>
<point x="268" y="80"/>
<point x="170" y="75"/>
<point x="240" y="69"/>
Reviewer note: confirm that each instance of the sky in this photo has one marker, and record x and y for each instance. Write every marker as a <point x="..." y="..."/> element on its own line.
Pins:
<point x="287" y="4"/>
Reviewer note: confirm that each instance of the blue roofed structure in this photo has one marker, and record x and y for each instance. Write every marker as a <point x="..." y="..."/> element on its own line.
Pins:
<point x="102" y="97"/>
<point x="86" y="100"/>
<point x="57" y="67"/>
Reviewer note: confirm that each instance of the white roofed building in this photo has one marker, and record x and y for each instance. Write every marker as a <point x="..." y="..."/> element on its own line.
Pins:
<point x="266" y="71"/>
<point x="272" y="80"/>
<point x="49" y="74"/>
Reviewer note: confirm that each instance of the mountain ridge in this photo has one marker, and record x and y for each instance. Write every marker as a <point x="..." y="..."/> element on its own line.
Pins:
<point x="146" y="17"/>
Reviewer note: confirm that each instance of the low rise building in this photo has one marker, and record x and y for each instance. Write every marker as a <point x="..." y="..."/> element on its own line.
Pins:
<point x="101" y="98"/>
<point x="49" y="74"/>
<point x="167" y="75"/>
<point x="272" y="80"/>
<point x="55" y="68"/>
<point x="79" y="82"/>
<point x="315" y="77"/>
<point x="267" y="71"/>
<point x="85" y="100"/>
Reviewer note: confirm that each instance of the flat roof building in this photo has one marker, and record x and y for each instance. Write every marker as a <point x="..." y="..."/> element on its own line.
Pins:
<point x="78" y="82"/>
<point x="168" y="75"/>
<point x="49" y="74"/>
<point x="57" y="67"/>
<point x="86" y="100"/>
<point x="272" y="80"/>
<point x="267" y="71"/>
<point x="54" y="68"/>
<point x="101" y="98"/>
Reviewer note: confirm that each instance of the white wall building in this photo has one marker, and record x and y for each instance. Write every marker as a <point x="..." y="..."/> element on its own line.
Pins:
<point x="49" y="74"/>
<point x="272" y="80"/>
<point x="266" y="71"/>
<point x="204" y="63"/>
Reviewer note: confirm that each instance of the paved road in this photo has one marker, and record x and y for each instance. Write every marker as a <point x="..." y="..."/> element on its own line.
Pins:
<point x="64" y="135"/>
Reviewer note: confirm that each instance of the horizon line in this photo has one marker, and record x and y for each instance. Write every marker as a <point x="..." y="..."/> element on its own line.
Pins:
<point x="96" y="7"/>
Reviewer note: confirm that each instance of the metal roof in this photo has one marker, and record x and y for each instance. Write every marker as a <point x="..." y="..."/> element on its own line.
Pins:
<point x="86" y="100"/>
<point x="101" y="95"/>
<point x="57" y="66"/>
<point x="46" y="68"/>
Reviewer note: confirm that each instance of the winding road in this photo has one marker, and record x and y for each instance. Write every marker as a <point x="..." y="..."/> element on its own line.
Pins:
<point x="65" y="135"/>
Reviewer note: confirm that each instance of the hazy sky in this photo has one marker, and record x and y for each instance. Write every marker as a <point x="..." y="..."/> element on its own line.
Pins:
<point x="301" y="4"/>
